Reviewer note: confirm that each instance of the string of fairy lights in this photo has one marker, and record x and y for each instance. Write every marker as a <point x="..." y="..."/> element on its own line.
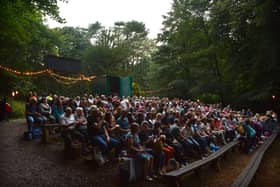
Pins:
<point x="64" y="82"/>
<point x="67" y="80"/>
<point x="59" y="78"/>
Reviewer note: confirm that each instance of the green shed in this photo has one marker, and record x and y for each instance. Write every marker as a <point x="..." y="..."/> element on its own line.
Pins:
<point x="112" y="85"/>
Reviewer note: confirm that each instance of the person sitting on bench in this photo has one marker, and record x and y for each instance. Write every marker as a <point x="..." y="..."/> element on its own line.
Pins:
<point x="46" y="111"/>
<point x="69" y="133"/>
<point x="33" y="116"/>
<point x="136" y="150"/>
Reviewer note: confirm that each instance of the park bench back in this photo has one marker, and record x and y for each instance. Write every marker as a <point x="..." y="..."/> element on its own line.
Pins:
<point x="245" y="178"/>
<point x="175" y="175"/>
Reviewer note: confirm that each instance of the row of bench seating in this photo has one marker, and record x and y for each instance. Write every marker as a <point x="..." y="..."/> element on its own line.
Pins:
<point x="174" y="177"/>
<point x="245" y="178"/>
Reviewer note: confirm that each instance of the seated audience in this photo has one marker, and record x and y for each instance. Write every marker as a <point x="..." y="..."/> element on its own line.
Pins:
<point x="98" y="133"/>
<point x="33" y="115"/>
<point x="46" y="111"/>
<point x="57" y="109"/>
<point x="136" y="150"/>
<point x="69" y="132"/>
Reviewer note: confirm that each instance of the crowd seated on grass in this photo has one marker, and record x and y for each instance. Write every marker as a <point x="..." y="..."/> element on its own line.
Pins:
<point x="156" y="131"/>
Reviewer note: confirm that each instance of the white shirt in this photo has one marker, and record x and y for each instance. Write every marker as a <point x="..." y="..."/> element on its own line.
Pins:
<point x="64" y="120"/>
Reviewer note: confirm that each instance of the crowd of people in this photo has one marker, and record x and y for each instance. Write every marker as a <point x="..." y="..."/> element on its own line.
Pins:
<point x="155" y="131"/>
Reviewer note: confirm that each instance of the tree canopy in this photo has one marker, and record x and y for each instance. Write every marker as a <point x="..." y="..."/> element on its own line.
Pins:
<point x="224" y="48"/>
<point x="220" y="51"/>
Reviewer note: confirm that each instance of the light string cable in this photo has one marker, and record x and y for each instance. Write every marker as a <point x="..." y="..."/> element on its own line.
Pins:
<point x="82" y="77"/>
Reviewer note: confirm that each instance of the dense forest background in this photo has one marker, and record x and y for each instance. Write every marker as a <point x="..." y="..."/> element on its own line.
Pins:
<point x="214" y="50"/>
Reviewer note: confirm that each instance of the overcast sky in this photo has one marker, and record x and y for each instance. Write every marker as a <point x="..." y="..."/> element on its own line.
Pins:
<point x="83" y="12"/>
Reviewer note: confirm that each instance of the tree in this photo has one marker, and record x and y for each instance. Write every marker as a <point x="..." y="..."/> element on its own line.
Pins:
<point x="248" y="31"/>
<point x="24" y="40"/>
<point x="73" y="42"/>
<point x="228" y="48"/>
<point x="118" y="49"/>
<point x="187" y="49"/>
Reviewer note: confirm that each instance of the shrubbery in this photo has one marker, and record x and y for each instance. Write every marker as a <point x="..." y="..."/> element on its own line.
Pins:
<point x="18" y="109"/>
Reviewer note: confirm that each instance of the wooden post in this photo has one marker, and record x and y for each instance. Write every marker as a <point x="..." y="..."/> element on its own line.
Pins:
<point x="218" y="166"/>
<point x="45" y="135"/>
<point x="177" y="182"/>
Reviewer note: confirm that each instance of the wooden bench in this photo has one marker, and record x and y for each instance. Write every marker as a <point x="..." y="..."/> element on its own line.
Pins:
<point x="72" y="152"/>
<point x="245" y="178"/>
<point x="174" y="177"/>
<point x="45" y="138"/>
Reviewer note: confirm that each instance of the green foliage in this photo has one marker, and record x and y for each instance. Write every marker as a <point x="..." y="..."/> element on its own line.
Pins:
<point x="18" y="109"/>
<point x="121" y="50"/>
<point x="136" y="89"/>
<point x="24" y="40"/>
<point x="72" y="42"/>
<point x="225" y="48"/>
<point x="216" y="50"/>
<point x="209" y="98"/>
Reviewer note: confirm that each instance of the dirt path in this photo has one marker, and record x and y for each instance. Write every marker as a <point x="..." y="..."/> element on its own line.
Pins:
<point x="269" y="170"/>
<point x="30" y="163"/>
<point x="24" y="163"/>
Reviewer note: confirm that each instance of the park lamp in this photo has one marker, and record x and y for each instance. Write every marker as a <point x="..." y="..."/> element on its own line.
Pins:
<point x="273" y="97"/>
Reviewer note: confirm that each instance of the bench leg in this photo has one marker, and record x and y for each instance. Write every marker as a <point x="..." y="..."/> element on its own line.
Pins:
<point x="177" y="182"/>
<point x="227" y="156"/>
<point x="197" y="172"/>
<point x="218" y="165"/>
<point x="45" y="136"/>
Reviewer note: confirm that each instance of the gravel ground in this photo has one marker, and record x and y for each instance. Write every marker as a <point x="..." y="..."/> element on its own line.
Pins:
<point x="30" y="163"/>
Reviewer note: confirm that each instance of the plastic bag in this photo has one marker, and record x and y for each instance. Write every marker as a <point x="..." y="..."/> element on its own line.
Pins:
<point x="132" y="175"/>
<point x="98" y="157"/>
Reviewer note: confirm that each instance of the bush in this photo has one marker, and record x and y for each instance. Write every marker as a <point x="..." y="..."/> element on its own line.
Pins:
<point x="210" y="98"/>
<point x="18" y="109"/>
<point x="136" y="91"/>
